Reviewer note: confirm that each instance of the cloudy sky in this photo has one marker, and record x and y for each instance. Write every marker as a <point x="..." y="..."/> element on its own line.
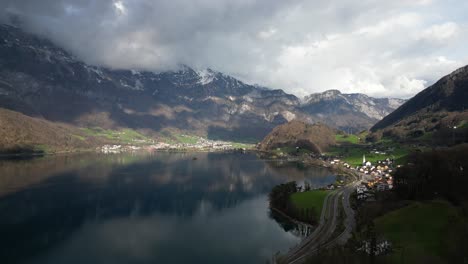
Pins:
<point x="379" y="47"/>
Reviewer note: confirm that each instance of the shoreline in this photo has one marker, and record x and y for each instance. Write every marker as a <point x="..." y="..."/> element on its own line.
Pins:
<point x="41" y="154"/>
<point x="292" y="219"/>
<point x="44" y="154"/>
<point x="350" y="179"/>
<point x="332" y="169"/>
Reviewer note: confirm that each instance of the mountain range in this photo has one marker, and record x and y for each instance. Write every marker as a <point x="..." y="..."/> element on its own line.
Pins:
<point x="42" y="80"/>
<point x="349" y="112"/>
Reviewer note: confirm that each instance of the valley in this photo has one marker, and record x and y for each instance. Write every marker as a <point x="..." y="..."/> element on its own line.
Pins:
<point x="158" y="158"/>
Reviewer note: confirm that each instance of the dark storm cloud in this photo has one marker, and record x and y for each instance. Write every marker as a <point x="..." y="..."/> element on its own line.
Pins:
<point x="148" y="34"/>
<point x="298" y="45"/>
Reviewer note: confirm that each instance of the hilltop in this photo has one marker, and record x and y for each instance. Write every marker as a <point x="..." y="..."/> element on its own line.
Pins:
<point x="316" y="138"/>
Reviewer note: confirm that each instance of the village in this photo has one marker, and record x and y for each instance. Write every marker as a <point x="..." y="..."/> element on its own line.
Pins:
<point x="201" y="144"/>
<point x="373" y="177"/>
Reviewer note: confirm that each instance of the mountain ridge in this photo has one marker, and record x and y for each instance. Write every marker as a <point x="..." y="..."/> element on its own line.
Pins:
<point x="438" y="114"/>
<point x="349" y="112"/>
<point x="449" y="93"/>
<point x="40" y="79"/>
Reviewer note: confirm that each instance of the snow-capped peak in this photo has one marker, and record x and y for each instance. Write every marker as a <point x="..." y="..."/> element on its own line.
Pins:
<point x="135" y="72"/>
<point x="206" y="76"/>
<point x="327" y="95"/>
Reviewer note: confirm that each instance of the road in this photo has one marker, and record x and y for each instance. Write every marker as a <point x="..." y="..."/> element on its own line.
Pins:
<point x="322" y="236"/>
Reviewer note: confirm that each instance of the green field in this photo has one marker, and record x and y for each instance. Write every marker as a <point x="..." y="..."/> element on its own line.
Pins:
<point x="125" y="136"/>
<point x="308" y="200"/>
<point x="186" y="139"/>
<point x="290" y="150"/>
<point x="463" y="124"/>
<point x="353" y="154"/>
<point x="172" y="137"/>
<point x="418" y="230"/>
<point x="242" y="145"/>
<point x="353" y="139"/>
<point x="284" y="150"/>
<point x="79" y="137"/>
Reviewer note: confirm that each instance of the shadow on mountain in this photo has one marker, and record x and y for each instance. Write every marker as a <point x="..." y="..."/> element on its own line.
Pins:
<point x="245" y="133"/>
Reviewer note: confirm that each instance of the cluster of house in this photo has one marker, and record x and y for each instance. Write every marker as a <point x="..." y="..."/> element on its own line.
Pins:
<point x="376" y="177"/>
<point x="380" y="173"/>
<point x="160" y="145"/>
<point x="363" y="192"/>
<point x="113" y="149"/>
<point x="201" y="144"/>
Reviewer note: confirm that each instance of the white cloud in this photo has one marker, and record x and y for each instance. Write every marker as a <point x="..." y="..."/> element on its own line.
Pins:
<point x="383" y="59"/>
<point x="442" y="32"/>
<point x="266" y="34"/>
<point x="391" y="25"/>
<point x="120" y="7"/>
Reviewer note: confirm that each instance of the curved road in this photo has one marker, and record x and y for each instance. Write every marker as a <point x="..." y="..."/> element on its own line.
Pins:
<point x="322" y="236"/>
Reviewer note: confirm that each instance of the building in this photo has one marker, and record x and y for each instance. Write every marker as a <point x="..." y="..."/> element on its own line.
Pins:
<point x="382" y="186"/>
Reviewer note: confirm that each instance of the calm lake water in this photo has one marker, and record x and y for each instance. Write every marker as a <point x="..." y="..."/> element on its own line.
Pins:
<point x="144" y="208"/>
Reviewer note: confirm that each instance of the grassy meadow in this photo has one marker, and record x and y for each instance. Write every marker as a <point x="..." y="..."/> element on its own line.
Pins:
<point x="309" y="200"/>
<point x="420" y="230"/>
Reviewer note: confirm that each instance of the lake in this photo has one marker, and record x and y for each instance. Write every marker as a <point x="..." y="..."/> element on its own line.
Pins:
<point x="145" y="208"/>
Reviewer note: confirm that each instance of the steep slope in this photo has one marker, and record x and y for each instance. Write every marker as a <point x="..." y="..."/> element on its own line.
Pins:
<point x="437" y="114"/>
<point x="316" y="137"/>
<point x="348" y="112"/>
<point x="21" y="133"/>
<point x="449" y="94"/>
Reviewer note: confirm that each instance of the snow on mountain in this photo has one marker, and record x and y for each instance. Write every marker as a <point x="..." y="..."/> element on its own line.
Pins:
<point x="375" y="108"/>
<point x="317" y="97"/>
<point x="206" y="76"/>
<point x="35" y="72"/>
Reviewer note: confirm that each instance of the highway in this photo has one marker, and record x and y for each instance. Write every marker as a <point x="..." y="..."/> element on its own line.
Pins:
<point x="322" y="235"/>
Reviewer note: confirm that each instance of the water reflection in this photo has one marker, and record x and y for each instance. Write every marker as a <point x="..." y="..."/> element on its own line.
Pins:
<point x="162" y="207"/>
<point x="296" y="228"/>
